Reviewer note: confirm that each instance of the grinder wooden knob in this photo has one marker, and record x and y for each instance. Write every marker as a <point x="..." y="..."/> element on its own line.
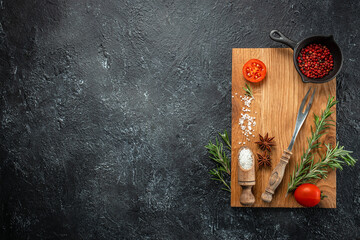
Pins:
<point x="246" y="175"/>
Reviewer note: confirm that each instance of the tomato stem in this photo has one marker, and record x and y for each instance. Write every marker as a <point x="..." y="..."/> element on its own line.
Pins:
<point x="322" y="195"/>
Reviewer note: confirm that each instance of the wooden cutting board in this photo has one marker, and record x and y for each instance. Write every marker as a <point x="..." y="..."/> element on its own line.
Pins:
<point x="277" y="101"/>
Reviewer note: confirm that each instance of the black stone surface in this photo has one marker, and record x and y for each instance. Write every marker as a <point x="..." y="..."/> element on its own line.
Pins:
<point x="106" y="107"/>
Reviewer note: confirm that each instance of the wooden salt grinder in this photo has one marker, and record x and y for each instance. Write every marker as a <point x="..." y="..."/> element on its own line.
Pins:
<point x="246" y="179"/>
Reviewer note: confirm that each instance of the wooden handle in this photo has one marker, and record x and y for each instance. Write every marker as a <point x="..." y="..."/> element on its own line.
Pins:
<point x="247" y="197"/>
<point x="276" y="177"/>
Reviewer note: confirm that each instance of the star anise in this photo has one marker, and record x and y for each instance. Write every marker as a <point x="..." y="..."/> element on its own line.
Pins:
<point x="266" y="143"/>
<point x="264" y="160"/>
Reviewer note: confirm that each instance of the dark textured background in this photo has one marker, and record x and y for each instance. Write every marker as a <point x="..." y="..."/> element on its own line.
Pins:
<point x="106" y="107"/>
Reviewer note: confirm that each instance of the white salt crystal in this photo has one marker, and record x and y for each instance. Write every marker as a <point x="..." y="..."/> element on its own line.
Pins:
<point x="246" y="158"/>
<point x="247" y="128"/>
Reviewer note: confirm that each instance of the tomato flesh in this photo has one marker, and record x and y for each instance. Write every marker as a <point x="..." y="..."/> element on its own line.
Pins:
<point x="308" y="195"/>
<point x="254" y="70"/>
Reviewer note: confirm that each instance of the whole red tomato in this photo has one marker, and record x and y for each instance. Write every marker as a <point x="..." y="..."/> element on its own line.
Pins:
<point x="308" y="195"/>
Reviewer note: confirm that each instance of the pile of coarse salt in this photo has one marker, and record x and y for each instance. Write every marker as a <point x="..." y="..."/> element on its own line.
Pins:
<point x="246" y="159"/>
<point x="247" y="122"/>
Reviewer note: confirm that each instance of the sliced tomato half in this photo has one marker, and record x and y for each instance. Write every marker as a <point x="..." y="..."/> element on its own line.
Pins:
<point x="254" y="70"/>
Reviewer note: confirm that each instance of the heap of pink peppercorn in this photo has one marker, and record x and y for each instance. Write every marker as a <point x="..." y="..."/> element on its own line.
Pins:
<point x="315" y="61"/>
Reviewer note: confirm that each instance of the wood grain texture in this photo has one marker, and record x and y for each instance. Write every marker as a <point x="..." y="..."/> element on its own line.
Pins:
<point x="277" y="101"/>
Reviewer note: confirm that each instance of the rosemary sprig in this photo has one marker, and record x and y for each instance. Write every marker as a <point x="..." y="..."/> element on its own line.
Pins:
<point x="218" y="154"/>
<point x="308" y="171"/>
<point x="334" y="158"/>
<point x="248" y="90"/>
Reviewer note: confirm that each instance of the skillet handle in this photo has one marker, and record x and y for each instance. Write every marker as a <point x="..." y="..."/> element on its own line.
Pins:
<point x="279" y="37"/>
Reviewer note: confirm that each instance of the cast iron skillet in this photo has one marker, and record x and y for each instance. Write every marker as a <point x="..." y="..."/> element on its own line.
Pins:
<point x="328" y="41"/>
